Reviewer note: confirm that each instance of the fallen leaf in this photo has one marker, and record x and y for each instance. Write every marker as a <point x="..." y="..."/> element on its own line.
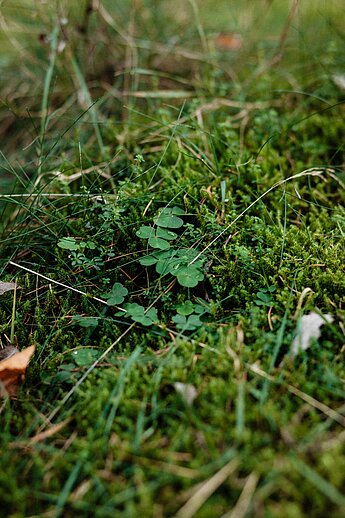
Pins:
<point x="187" y="391"/>
<point x="308" y="327"/>
<point x="228" y="41"/>
<point x="12" y="371"/>
<point x="7" y="286"/>
<point x="339" y="80"/>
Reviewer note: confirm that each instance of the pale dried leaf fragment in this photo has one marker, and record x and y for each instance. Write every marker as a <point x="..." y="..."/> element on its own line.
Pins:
<point x="339" y="80"/>
<point x="12" y="371"/>
<point x="7" y="286"/>
<point x="309" y="327"/>
<point x="187" y="391"/>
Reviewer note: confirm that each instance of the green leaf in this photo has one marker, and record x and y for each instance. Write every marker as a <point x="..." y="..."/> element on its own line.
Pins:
<point x="189" y="276"/>
<point x="180" y="320"/>
<point x="137" y="313"/>
<point x="165" y="234"/>
<point x="148" y="260"/>
<point x="152" y="314"/>
<point x="133" y="308"/>
<point x="168" y="221"/>
<point x="166" y="263"/>
<point x="68" y="243"/>
<point x="85" y="321"/>
<point x="177" y="211"/>
<point x="116" y="295"/>
<point x="91" y="245"/>
<point x="84" y="357"/>
<point x="185" y="309"/>
<point x="145" y="232"/>
<point x="200" y="309"/>
<point x="157" y="242"/>
<point x="263" y="298"/>
<point x="143" y="320"/>
<point x="193" y="322"/>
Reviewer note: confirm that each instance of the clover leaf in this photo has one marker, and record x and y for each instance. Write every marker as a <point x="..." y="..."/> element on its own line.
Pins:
<point x="85" y="321"/>
<point x="116" y="295"/>
<point x="185" y="309"/>
<point x="168" y="221"/>
<point x="148" y="260"/>
<point x="193" y="322"/>
<point x="145" y="232"/>
<point x="68" y="243"/>
<point x="85" y="357"/>
<point x="157" y="242"/>
<point x="166" y="234"/>
<point x="189" y="276"/>
<point x="138" y="314"/>
<point x="168" y="217"/>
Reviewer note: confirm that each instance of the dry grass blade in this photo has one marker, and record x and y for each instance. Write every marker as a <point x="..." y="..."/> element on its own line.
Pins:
<point x="243" y="503"/>
<point x="204" y="491"/>
<point x="42" y="436"/>
<point x="56" y="282"/>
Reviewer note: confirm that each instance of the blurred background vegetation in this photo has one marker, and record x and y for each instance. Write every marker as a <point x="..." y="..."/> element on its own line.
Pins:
<point x="140" y="54"/>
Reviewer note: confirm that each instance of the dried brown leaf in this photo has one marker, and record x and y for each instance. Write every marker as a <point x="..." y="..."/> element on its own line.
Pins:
<point x="12" y="371"/>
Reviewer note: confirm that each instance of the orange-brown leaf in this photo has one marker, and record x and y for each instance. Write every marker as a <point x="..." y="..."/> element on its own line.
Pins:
<point x="228" y="41"/>
<point x="12" y="371"/>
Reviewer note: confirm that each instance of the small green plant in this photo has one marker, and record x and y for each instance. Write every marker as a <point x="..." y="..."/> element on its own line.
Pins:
<point x="116" y="295"/>
<point x="264" y="296"/>
<point x="78" y="255"/>
<point x="189" y="315"/>
<point x="138" y="314"/>
<point x="183" y="263"/>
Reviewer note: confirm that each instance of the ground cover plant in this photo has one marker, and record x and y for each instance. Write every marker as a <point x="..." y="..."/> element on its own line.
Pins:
<point x="172" y="216"/>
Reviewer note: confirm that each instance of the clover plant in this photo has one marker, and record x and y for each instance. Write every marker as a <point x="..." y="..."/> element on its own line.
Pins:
<point x="179" y="262"/>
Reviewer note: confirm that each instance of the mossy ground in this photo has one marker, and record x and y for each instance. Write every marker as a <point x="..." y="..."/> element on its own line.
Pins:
<point x="178" y="123"/>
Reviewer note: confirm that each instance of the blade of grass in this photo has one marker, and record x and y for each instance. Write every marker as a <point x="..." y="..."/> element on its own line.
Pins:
<point x="91" y="104"/>
<point x="204" y="491"/>
<point x="46" y="89"/>
<point x="319" y="482"/>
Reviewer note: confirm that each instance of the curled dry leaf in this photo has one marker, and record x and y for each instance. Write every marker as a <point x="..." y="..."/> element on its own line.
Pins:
<point x="7" y="286"/>
<point x="309" y="327"/>
<point x="12" y="371"/>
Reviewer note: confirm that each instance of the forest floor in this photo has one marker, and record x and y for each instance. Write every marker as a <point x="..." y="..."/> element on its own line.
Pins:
<point x="172" y="213"/>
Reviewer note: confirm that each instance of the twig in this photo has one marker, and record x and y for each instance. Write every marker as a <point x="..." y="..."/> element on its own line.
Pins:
<point x="57" y="282"/>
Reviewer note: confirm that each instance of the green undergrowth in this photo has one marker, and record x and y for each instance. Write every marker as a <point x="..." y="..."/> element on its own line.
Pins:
<point x="166" y="252"/>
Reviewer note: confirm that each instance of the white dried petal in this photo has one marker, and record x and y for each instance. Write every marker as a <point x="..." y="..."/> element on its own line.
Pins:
<point x="309" y="327"/>
<point x="187" y="391"/>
